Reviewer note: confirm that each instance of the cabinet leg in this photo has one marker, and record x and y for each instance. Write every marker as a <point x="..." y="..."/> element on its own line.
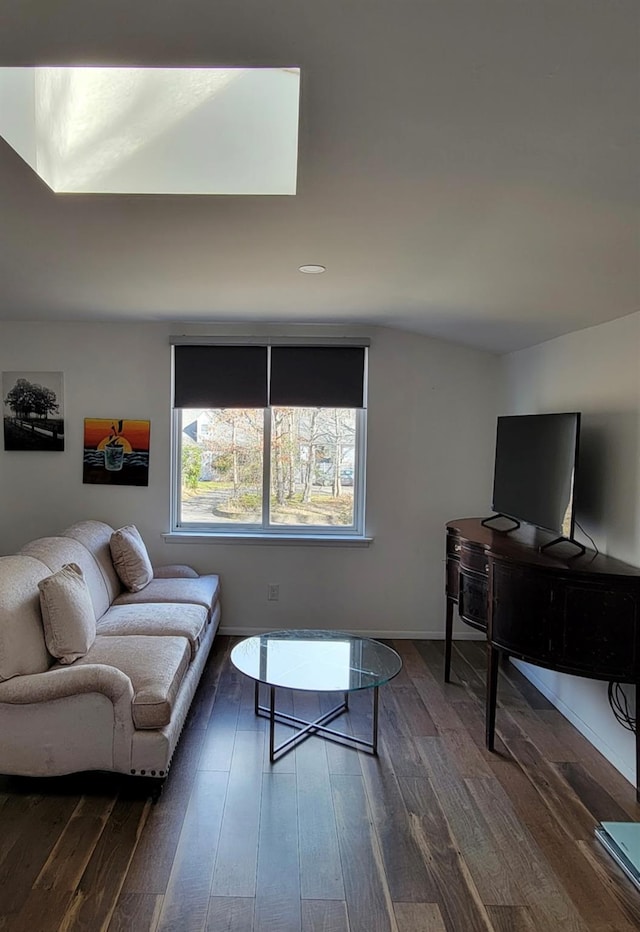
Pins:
<point x="493" y="665"/>
<point x="448" y="635"/>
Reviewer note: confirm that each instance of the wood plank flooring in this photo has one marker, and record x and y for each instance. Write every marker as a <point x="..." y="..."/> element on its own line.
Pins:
<point x="434" y="835"/>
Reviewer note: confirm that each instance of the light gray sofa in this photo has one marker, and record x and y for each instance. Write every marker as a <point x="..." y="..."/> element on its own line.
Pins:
<point x="122" y="705"/>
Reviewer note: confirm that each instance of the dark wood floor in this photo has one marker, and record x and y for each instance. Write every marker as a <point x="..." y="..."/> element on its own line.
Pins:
<point x="435" y="834"/>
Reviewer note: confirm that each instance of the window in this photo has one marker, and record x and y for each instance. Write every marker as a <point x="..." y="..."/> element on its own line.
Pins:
<point x="269" y="440"/>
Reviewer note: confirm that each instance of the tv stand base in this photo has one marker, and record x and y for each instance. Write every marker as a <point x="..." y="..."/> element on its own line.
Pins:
<point x="563" y="540"/>
<point x="486" y="523"/>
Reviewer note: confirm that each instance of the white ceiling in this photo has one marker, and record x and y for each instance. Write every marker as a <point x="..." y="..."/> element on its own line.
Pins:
<point x="468" y="169"/>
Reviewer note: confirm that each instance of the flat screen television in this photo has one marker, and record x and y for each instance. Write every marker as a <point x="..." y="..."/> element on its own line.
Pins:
<point x="535" y="470"/>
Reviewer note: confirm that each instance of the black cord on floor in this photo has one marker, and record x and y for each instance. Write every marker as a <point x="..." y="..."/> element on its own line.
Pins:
<point x="620" y="706"/>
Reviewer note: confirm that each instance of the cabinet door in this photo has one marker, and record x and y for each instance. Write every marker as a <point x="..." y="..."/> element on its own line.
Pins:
<point x="521" y="612"/>
<point x="599" y="631"/>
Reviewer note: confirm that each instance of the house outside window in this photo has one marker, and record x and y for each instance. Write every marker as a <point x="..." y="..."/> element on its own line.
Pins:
<point x="246" y="465"/>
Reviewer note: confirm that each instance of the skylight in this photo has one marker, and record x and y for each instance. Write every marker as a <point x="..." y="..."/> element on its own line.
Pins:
<point x="155" y="130"/>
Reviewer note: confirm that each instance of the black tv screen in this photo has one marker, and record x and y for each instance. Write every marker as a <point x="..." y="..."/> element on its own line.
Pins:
<point x="535" y="466"/>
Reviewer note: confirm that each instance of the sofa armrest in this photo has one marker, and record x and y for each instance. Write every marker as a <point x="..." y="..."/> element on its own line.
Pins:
<point x="174" y="571"/>
<point x="67" y="719"/>
<point x="62" y="682"/>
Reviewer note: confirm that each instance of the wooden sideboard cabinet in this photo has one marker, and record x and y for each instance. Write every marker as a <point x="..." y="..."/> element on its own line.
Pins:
<point x="577" y="614"/>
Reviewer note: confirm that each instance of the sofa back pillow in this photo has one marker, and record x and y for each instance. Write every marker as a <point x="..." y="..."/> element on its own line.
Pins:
<point x="56" y="552"/>
<point x="68" y="617"/>
<point x="130" y="558"/>
<point x="22" y="646"/>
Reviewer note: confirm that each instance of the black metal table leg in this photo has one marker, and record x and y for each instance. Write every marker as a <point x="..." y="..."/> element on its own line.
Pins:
<point x="317" y="726"/>
<point x="272" y="723"/>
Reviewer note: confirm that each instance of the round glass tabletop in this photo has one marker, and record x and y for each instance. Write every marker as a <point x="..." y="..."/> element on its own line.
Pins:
<point x="322" y="661"/>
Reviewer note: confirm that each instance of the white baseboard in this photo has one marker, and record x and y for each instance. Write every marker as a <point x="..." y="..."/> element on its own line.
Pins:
<point x="417" y="635"/>
<point x="593" y="737"/>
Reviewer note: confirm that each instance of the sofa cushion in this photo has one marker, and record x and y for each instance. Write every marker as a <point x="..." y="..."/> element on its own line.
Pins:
<point x="130" y="558"/>
<point x="67" y="614"/>
<point x="159" y="618"/>
<point x="201" y="591"/>
<point x="156" y="667"/>
<point x="22" y="647"/>
<point x="56" y="552"/>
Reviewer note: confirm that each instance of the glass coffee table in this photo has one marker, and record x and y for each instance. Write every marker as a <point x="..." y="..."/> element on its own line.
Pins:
<point x="315" y="661"/>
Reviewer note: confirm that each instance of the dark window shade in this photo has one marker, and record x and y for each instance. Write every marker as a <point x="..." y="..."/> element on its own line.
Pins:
<point x="220" y="376"/>
<point x="317" y="376"/>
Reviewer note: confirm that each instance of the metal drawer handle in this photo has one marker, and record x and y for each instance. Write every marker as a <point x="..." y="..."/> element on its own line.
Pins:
<point x="486" y="568"/>
<point x="457" y="548"/>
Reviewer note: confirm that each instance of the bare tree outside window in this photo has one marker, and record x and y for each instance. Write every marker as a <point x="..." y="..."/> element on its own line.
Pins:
<point x="311" y="465"/>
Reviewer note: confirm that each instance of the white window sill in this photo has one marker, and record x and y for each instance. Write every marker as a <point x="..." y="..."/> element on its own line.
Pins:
<point x="283" y="540"/>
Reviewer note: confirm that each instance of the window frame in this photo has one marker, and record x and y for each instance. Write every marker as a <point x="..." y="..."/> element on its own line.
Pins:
<point x="265" y="530"/>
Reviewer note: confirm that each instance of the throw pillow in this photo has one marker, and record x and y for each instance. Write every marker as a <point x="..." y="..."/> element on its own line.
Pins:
<point x="130" y="558"/>
<point x="68" y="617"/>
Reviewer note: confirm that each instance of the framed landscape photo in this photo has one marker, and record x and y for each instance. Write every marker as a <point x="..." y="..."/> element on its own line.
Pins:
<point x="116" y="451"/>
<point x="33" y="411"/>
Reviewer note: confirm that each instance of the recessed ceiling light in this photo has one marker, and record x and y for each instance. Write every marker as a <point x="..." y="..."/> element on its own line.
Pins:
<point x="312" y="269"/>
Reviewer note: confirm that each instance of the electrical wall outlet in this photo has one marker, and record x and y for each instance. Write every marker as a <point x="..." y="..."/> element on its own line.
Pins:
<point x="273" y="592"/>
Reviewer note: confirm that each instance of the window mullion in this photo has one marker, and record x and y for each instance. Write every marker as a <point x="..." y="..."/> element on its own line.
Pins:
<point x="176" y="468"/>
<point x="266" y="469"/>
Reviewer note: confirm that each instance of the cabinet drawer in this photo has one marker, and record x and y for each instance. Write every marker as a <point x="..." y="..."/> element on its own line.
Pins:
<point x="454" y="545"/>
<point x="474" y="559"/>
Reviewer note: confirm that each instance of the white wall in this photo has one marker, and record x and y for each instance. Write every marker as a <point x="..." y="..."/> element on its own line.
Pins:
<point x="431" y="427"/>
<point x="432" y="409"/>
<point x="597" y="372"/>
